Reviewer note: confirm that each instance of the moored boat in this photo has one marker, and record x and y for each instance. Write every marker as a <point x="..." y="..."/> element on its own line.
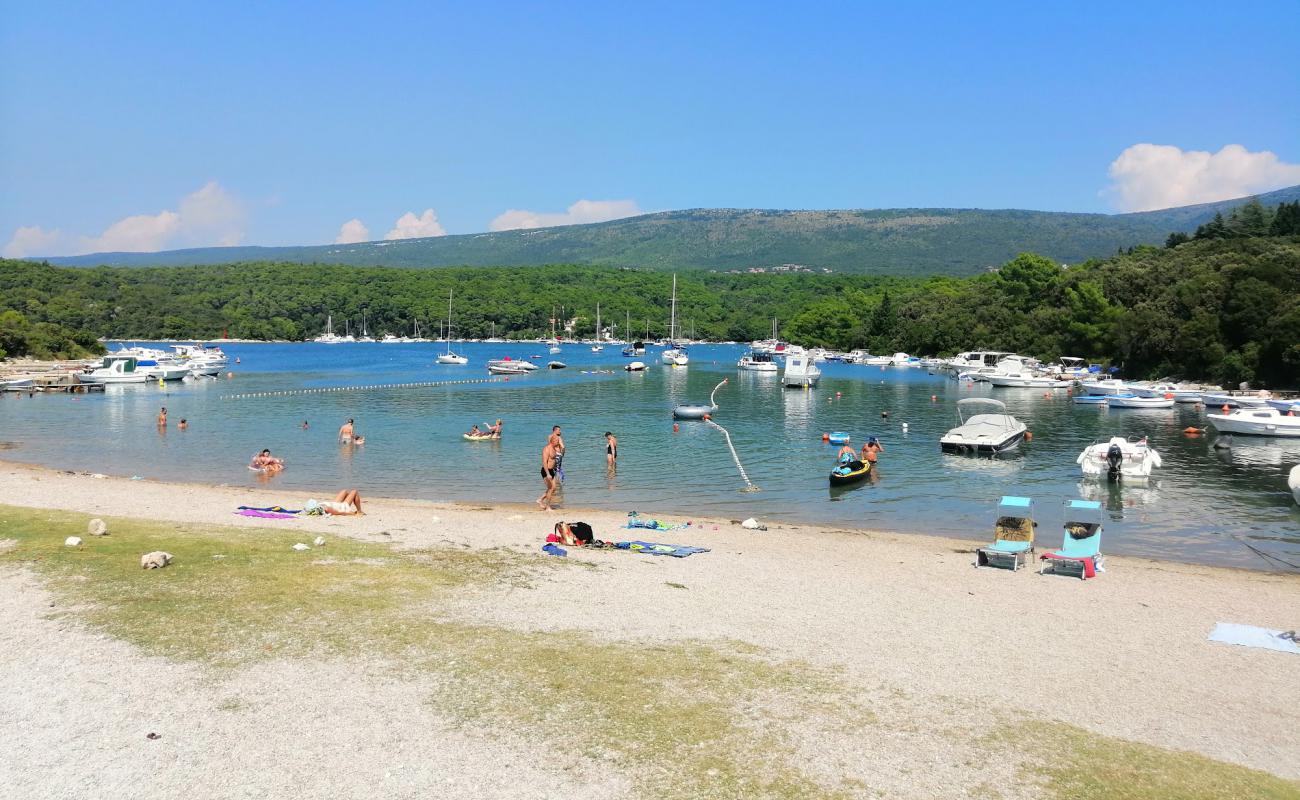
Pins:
<point x="1256" y="422"/>
<point x="983" y="433"/>
<point x="800" y="371"/>
<point x="754" y="361"/>
<point x="1118" y="459"/>
<point x="1236" y="399"/>
<point x="1136" y="401"/>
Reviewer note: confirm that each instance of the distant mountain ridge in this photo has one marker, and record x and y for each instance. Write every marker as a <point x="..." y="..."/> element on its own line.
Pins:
<point x="901" y="241"/>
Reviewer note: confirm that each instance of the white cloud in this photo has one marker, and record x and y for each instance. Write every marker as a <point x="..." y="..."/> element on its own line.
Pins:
<point x="206" y="217"/>
<point x="579" y="213"/>
<point x="409" y="226"/>
<point x="33" y="240"/>
<point x="351" y="232"/>
<point x="140" y="233"/>
<point x="1151" y="176"/>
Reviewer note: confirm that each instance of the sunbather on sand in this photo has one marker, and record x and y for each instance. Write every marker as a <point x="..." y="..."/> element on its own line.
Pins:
<point x="346" y="503"/>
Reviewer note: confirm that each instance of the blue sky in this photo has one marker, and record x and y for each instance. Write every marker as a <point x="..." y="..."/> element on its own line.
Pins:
<point x="281" y="122"/>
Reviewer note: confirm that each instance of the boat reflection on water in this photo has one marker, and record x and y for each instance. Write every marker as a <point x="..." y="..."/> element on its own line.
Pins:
<point x="1116" y="496"/>
<point x="798" y="405"/>
<point x="1259" y="451"/>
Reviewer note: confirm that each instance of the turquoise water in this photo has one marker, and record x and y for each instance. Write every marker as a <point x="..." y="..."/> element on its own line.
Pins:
<point x="1202" y="506"/>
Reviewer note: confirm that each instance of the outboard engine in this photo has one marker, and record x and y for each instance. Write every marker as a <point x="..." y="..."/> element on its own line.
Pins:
<point x="1114" y="462"/>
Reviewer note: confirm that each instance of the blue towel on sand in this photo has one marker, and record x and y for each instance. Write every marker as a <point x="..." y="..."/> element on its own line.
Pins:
<point x="657" y="549"/>
<point x="276" y="509"/>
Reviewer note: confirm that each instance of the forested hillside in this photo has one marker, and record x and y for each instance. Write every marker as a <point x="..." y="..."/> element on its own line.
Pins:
<point x="903" y="242"/>
<point x="1220" y="307"/>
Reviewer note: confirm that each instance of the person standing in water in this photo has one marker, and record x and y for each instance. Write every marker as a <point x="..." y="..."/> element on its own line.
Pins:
<point x="549" y="470"/>
<point x="162" y="417"/>
<point x="346" y="432"/>
<point x="872" y="450"/>
<point x="611" y="450"/>
<point x="557" y="442"/>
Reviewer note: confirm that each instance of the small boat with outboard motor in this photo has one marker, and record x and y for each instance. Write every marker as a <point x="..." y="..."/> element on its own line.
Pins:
<point x="1256" y="422"/>
<point x="1119" y="458"/>
<point x="1137" y="401"/>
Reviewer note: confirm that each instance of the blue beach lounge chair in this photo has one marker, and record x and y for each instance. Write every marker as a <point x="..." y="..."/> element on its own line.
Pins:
<point x="1013" y="535"/>
<point x="1080" y="551"/>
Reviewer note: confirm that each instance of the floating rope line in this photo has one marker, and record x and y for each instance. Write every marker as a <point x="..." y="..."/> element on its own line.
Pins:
<point x="749" y="485"/>
<point x="368" y="387"/>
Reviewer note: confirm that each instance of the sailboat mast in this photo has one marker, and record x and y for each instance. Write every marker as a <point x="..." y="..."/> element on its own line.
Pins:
<point x="598" y="323"/>
<point x="449" y="294"/>
<point x="672" y="319"/>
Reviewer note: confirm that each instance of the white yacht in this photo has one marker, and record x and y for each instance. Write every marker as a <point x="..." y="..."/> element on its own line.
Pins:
<point x="674" y="355"/>
<point x="1256" y="422"/>
<point x="116" y="369"/>
<point x="597" y="347"/>
<point x="800" y="371"/>
<point x="983" y="433"/>
<point x="1105" y="386"/>
<point x="757" y="362"/>
<point x="1119" y="459"/>
<point x="1179" y="394"/>
<point x="329" y="336"/>
<point x="974" y="360"/>
<point x="365" y="332"/>
<point x="450" y="357"/>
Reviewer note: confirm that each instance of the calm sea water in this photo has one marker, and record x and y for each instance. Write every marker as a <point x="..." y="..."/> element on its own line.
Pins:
<point x="1204" y="505"/>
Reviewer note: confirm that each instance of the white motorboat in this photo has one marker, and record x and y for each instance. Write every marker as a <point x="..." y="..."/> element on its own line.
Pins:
<point x="391" y="339"/>
<point x="1285" y="404"/>
<point x="164" y="369"/>
<point x="556" y="365"/>
<point x="1179" y="394"/>
<point x="449" y="357"/>
<point x="1135" y="401"/>
<point x="509" y="367"/>
<point x="674" y="355"/>
<point x="1105" y="386"/>
<point x="1026" y="380"/>
<point x="634" y="366"/>
<point x="17" y="384"/>
<point x="757" y="362"/>
<point x="983" y="433"/>
<point x="1070" y="367"/>
<point x="1236" y="399"/>
<point x="868" y="360"/>
<point x="525" y="366"/>
<point x="800" y="371"/>
<point x="1256" y="422"/>
<point x="1119" y="459"/>
<point x="974" y="360"/>
<point x="116" y="369"/>
<point x="1293" y="481"/>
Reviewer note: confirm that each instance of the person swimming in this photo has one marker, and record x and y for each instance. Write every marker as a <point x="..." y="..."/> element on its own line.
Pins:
<point x="266" y="462"/>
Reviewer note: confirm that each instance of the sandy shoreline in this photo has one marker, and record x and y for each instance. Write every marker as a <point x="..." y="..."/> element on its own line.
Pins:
<point x="1124" y="655"/>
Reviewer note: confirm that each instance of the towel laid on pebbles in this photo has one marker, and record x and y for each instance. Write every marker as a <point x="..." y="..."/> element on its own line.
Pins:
<point x="1251" y="636"/>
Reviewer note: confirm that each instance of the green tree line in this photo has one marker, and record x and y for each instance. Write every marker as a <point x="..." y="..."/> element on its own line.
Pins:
<point x="1215" y="308"/>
